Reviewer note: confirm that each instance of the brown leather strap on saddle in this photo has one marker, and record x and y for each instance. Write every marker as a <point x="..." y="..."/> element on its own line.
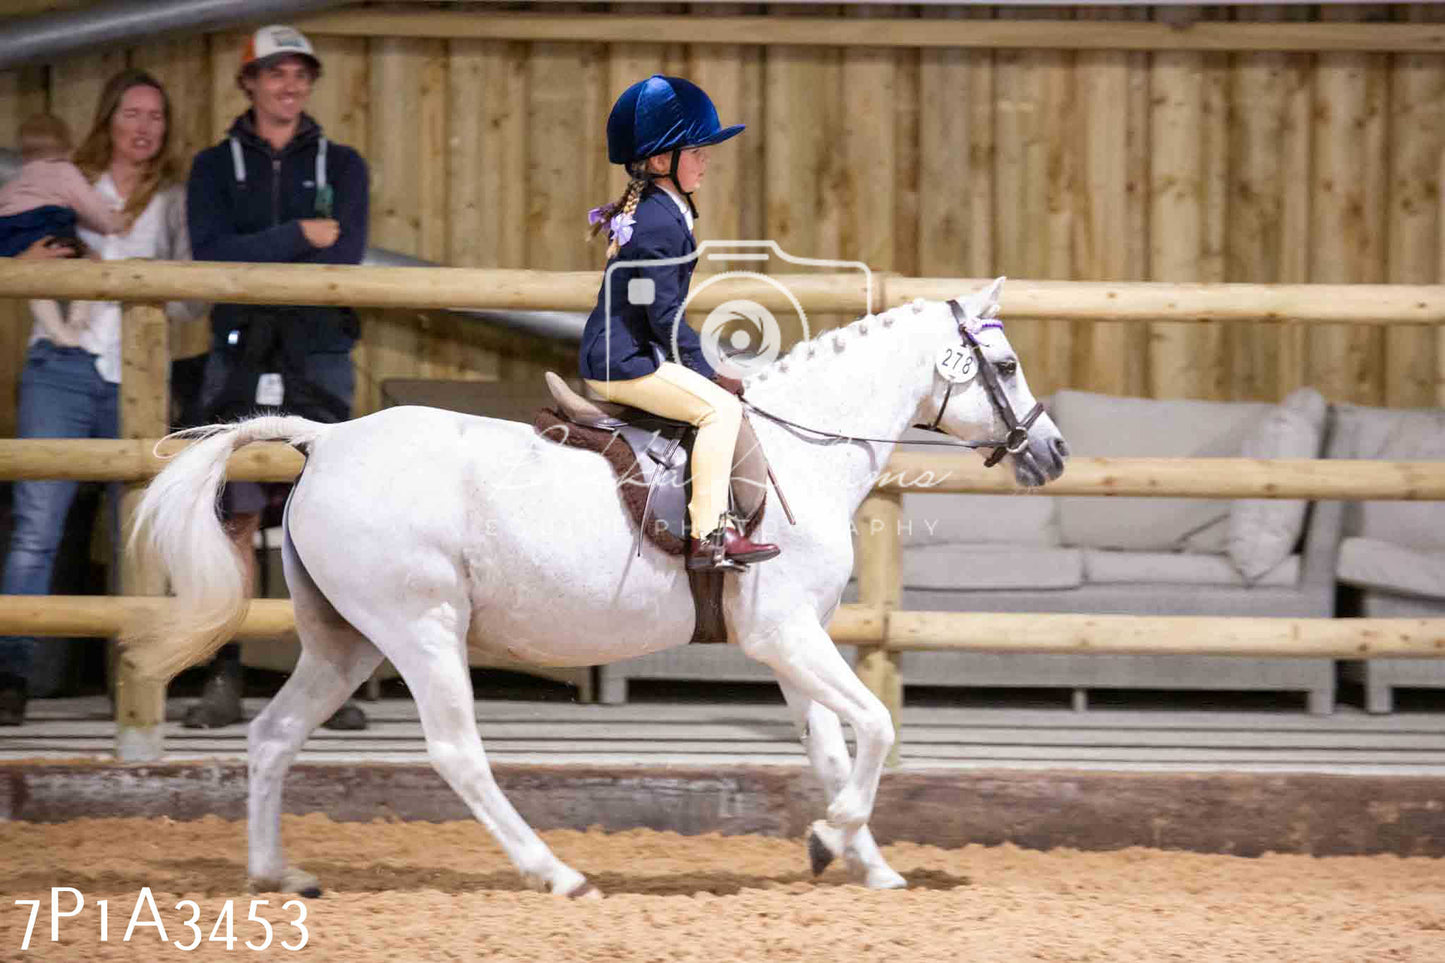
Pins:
<point x="708" y="625"/>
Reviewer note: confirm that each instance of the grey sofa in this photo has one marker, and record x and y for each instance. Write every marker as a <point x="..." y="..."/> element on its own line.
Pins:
<point x="1134" y="556"/>
<point x="1392" y="558"/>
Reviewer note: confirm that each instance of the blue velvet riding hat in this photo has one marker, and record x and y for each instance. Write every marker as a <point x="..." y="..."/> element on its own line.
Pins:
<point x="662" y="114"/>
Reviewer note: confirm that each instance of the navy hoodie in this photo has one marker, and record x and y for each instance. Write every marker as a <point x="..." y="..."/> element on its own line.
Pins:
<point x="259" y="219"/>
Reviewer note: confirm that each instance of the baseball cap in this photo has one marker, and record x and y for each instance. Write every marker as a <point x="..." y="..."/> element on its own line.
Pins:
<point x="275" y="41"/>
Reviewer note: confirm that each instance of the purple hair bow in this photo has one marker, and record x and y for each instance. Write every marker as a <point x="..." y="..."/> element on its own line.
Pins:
<point x="619" y="225"/>
<point x="620" y="228"/>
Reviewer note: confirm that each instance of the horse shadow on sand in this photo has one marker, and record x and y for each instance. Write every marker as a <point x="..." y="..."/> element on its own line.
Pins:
<point x="212" y="876"/>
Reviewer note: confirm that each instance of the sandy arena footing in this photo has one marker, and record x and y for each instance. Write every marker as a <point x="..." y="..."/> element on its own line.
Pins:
<point x="416" y="891"/>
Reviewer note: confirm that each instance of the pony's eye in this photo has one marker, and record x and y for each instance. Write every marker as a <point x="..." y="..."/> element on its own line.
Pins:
<point x="1007" y="368"/>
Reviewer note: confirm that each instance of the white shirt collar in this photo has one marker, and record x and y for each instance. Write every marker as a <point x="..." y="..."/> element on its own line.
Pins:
<point x="679" y="200"/>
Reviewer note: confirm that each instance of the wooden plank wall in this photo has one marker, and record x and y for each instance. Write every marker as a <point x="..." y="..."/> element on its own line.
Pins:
<point x="1211" y="166"/>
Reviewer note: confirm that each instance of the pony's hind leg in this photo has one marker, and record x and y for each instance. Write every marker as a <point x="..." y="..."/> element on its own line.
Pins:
<point x="429" y="650"/>
<point x="822" y="736"/>
<point x="335" y="659"/>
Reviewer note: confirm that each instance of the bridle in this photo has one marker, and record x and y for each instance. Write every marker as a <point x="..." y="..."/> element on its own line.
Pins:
<point x="1013" y="443"/>
<point x="1017" y="438"/>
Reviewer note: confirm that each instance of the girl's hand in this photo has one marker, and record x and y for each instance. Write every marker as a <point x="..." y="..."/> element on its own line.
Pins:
<point x="321" y="231"/>
<point x="732" y="385"/>
<point x="47" y="249"/>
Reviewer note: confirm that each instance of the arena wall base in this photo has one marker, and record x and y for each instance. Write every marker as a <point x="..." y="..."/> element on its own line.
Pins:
<point x="1243" y="814"/>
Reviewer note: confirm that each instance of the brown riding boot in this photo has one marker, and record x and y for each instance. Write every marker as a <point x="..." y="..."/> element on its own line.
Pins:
<point x="726" y="549"/>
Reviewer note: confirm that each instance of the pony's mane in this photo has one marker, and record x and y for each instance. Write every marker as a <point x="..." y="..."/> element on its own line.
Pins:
<point x="833" y="341"/>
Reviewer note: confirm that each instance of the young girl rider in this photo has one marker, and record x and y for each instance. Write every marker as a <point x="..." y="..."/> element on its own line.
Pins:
<point x="661" y="129"/>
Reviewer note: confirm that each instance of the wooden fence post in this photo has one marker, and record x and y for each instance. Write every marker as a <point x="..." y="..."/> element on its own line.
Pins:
<point x="145" y="397"/>
<point x="880" y="585"/>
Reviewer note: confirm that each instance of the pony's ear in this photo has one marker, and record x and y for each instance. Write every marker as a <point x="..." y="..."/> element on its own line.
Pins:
<point x="984" y="304"/>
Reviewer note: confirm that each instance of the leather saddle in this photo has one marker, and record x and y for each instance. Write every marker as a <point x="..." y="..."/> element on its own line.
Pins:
<point x="663" y="449"/>
<point x="650" y="456"/>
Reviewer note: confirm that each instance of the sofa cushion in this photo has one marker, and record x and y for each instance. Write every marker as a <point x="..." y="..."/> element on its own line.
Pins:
<point x="964" y="519"/>
<point x="1388" y="567"/>
<point x="1264" y="531"/>
<point x="1106" y="426"/>
<point x="1397" y="435"/>
<point x="991" y="567"/>
<point x="1144" y="568"/>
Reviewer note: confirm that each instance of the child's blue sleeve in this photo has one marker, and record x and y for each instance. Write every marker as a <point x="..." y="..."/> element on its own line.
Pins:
<point x="669" y="294"/>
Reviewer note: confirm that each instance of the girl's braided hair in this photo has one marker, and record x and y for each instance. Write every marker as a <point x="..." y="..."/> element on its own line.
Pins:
<point x="626" y="204"/>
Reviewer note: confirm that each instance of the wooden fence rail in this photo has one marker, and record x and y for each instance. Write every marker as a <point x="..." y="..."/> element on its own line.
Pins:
<point x="519" y="290"/>
<point x="26" y="459"/>
<point x="87" y="616"/>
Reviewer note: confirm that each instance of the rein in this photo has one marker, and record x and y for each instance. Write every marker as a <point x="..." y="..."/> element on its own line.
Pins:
<point x="1014" y="442"/>
<point x="833" y="438"/>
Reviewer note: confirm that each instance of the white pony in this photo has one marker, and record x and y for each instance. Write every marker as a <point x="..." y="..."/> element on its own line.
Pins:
<point x="417" y="533"/>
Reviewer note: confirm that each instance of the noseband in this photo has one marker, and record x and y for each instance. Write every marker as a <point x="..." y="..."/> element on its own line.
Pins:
<point x="1017" y="438"/>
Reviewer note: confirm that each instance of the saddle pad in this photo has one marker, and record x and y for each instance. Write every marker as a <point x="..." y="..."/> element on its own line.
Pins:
<point x="631" y="482"/>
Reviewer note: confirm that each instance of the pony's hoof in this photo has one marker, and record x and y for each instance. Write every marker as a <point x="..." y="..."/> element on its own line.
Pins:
<point x="884" y="878"/>
<point x="292" y="880"/>
<point x="585" y="891"/>
<point x="820" y="853"/>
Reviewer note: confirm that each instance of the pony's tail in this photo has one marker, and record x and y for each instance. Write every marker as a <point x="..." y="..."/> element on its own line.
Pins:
<point x="177" y="530"/>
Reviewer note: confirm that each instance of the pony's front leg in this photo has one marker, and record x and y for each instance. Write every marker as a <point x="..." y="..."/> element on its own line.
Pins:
<point x="804" y="657"/>
<point x="822" y="737"/>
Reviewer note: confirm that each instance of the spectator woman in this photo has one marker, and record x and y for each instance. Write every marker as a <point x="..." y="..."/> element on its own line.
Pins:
<point x="70" y="383"/>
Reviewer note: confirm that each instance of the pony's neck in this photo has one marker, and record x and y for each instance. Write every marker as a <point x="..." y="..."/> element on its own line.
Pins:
<point x="858" y="384"/>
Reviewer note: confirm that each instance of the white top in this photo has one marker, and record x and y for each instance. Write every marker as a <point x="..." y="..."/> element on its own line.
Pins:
<point x="158" y="233"/>
<point x="680" y="201"/>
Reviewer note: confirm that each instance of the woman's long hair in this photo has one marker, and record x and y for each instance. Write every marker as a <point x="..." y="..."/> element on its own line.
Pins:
<point x="94" y="154"/>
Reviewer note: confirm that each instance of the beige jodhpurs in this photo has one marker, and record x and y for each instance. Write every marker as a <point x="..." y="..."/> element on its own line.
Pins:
<point x="678" y="392"/>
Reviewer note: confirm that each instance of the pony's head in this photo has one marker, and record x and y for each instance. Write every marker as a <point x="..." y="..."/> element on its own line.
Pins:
<point x="980" y="392"/>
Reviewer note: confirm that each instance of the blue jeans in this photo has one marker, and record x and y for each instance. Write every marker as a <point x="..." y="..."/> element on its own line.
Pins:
<point x="61" y="396"/>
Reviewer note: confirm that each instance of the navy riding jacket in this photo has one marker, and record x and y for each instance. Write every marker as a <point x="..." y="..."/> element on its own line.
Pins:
<point x="258" y="218"/>
<point x="618" y="341"/>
